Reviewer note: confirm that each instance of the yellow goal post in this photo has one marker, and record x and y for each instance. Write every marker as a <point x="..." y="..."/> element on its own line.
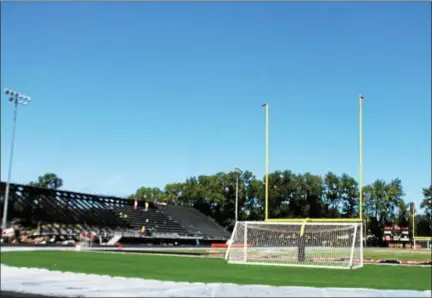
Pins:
<point x="327" y="220"/>
<point x="359" y="219"/>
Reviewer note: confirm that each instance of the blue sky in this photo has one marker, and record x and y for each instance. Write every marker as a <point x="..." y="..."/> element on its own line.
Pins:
<point x="142" y="94"/>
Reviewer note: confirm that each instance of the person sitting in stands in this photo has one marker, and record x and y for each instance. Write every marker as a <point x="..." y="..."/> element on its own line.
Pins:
<point x="146" y="206"/>
<point x="143" y="229"/>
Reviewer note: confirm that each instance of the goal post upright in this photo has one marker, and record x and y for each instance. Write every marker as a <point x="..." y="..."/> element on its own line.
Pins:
<point x="361" y="244"/>
<point x="230" y="241"/>
<point x="245" y="244"/>
<point x="361" y="157"/>
<point x="353" y="246"/>
<point x="335" y="243"/>
<point x="413" y="223"/>
<point x="266" y="194"/>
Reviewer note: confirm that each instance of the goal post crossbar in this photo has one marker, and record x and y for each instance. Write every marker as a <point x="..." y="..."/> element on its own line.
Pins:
<point x="300" y="221"/>
<point x="312" y="220"/>
<point x="423" y="238"/>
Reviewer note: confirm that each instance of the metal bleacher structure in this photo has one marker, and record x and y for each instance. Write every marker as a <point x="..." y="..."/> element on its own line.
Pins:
<point x="59" y="212"/>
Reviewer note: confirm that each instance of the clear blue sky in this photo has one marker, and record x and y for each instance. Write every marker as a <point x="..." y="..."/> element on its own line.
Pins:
<point x="143" y="94"/>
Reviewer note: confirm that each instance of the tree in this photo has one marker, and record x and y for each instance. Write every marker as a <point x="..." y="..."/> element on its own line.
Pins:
<point x="423" y="225"/>
<point x="148" y="194"/>
<point x="381" y="201"/>
<point x="331" y="196"/>
<point x="253" y="203"/>
<point x="48" y="180"/>
<point x="349" y="196"/>
<point x="173" y="192"/>
<point x="403" y="216"/>
<point x="290" y="196"/>
<point x="427" y="201"/>
<point x="312" y="189"/>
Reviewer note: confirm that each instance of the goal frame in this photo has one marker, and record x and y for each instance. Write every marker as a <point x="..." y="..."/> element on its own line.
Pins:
<point x="358" y="230"/>
<point x="426" y="239"/>
<point x="85" y="241"/>
<point x="267" y="182"/>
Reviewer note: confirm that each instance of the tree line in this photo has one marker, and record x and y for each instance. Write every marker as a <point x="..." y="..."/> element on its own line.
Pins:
<point x="291" y="195"/>
<point x="295" y="196"/>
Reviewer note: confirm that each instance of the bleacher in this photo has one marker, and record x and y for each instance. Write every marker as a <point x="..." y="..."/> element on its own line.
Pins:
<point x="195" y="222"/>
<point x="58" y="212"/>
<point x="62" y="212"/>
<point x="153" y="220"/>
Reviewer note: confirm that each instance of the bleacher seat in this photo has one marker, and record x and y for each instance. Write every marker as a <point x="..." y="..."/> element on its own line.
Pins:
<point x="152" y="219"/>
<point x="195" y="222"/>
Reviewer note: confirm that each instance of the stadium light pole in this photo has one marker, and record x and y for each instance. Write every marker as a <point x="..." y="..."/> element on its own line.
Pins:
<point x="239" y="172"/>
<point x="16" y="98"/>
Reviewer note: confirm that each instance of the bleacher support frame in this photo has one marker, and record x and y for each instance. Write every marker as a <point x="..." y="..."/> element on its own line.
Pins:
<point x="34" y="206"/>
<point x="60" y="212"/>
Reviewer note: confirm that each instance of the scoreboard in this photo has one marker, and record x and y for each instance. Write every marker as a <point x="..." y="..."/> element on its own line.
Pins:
<point x="396" y="234"/>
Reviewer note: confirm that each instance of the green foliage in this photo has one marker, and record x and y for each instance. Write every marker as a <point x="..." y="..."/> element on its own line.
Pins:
<point x="48" y="180"/>
<point x="290" y="196"/>
<point x="427" y="201"/>
<point x="293" y="196"/>
<point x="147" y="194"/>
<point x="423" y="225"/>
<point x="403" y="217"/>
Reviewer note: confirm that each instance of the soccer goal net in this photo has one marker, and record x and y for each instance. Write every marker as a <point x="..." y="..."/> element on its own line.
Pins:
<point x="85" y="241"/>
<point x="301" y="244"/>
<point x="422" y="242"/>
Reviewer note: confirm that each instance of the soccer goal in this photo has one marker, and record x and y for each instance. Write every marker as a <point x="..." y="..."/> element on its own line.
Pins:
<point x="422" y="242"/>
<point x="300" y="244"/>
<point x="85" y="241"/>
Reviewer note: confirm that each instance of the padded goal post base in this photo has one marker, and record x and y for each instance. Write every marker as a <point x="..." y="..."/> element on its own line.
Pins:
<point x="297" y="244"/>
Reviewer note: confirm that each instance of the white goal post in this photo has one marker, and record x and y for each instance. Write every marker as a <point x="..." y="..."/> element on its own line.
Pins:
<point x="300" y="244"/>
<point x="422" y="242"/>
<point x="85" y="241"/>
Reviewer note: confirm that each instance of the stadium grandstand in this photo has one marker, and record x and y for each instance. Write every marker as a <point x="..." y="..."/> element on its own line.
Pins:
<point x="58" y="216"/>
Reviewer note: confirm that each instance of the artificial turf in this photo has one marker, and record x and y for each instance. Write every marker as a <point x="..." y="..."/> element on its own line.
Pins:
<point x="368" y="253"/>
<point x="188" y="269"/>
<point x="397" y="254"/>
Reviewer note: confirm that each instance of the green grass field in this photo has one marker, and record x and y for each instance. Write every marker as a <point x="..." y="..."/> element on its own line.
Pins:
<point x="397" y="254"/>
<point x="187" y="269"/>
<point x="368" y="253"/>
